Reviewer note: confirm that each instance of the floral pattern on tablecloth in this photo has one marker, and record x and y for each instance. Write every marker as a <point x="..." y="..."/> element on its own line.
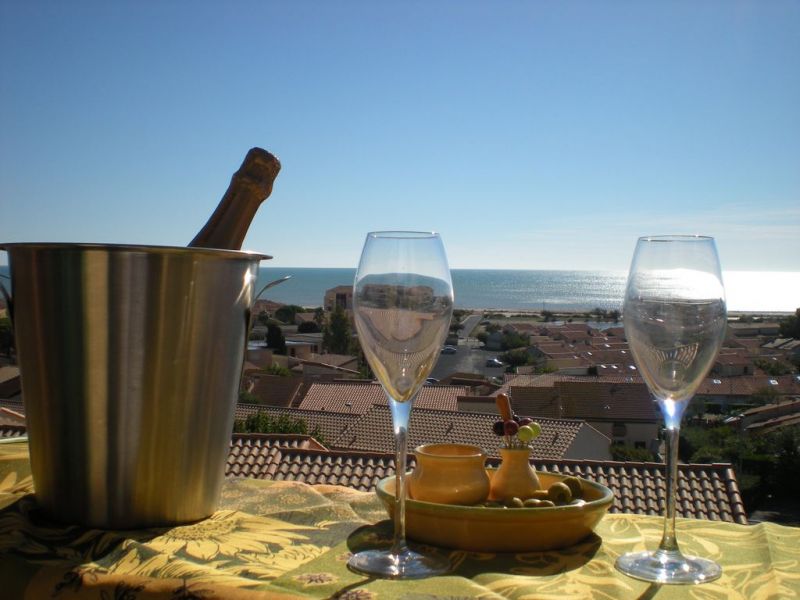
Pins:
<point x="291" y="540"/>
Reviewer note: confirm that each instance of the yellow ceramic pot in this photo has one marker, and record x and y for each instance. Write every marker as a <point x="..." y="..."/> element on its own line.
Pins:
<point x="449" y="474"/>
<point x="516" y="477"/>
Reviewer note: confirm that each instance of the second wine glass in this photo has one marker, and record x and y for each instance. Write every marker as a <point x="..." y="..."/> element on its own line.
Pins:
<point x="402" y="303"/>
<point x="675" y="322"/>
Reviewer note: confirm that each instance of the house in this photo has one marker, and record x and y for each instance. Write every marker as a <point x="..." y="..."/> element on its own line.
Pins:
<point x="273" y="389"/>
<point x="341" y="295"/>
<point x="328" y="367"/>
<point x="621" y="408"/>
<point x="357" y="397"/>
<point x="733" y="362"/>
<point x="10" y="382"/>
<point x="303" y="345"/>
<point x="769" y="416"/>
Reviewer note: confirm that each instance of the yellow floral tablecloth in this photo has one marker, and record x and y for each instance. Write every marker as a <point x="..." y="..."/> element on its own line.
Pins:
<point x="291" y="540"/>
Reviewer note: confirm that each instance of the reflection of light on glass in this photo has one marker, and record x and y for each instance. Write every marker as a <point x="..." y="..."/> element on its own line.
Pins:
<point x="679" y="284"/>
<point x="672" y="416"/>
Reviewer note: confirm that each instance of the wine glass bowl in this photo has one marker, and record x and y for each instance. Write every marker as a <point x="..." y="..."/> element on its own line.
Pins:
<point x="675" y="322"/>
<point x="402" y="305"/>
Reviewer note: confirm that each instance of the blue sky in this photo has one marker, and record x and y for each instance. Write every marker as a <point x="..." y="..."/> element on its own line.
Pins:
<point x="538" y="135"/>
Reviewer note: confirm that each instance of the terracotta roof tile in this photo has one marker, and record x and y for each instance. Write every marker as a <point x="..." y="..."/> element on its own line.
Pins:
<point x="704" y="491"/>
<point x="9" y="431"/>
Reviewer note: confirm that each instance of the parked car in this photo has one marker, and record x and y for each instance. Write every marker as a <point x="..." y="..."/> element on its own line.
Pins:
<point x="449" y="350"/>
<point x="494" y="362"/>
<point x="431" y="381"/>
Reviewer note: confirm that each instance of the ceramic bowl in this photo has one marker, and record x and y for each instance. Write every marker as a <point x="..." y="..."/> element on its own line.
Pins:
<point x="482" y="529"/>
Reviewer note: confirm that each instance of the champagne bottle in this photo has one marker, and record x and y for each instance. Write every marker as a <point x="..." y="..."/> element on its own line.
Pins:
<point x="249" y="187"/>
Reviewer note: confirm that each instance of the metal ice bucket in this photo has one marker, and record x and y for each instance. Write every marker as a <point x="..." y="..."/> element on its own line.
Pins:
<point x="130" y="359"/>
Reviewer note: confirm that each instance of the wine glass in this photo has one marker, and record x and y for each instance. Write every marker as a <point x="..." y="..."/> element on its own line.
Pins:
<point x="402" y="303"/>
<point x="675" y="321"/>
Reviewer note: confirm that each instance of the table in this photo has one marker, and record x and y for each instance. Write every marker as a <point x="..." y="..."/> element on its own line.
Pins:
<point x="291" y="540"/>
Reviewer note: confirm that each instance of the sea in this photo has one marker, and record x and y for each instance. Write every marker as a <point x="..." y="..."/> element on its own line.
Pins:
<point x="510" y="290"/>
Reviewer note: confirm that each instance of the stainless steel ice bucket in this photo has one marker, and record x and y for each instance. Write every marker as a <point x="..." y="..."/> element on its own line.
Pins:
<point x="130" y="359"/>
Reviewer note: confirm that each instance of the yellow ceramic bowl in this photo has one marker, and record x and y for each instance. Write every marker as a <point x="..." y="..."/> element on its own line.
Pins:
<point x="482" y="529"/>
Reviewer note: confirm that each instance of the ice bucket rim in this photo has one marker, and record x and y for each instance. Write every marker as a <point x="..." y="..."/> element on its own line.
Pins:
<point x="137" y="248"/>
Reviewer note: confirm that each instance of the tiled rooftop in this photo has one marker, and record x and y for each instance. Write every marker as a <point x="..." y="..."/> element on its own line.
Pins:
<point x="9" y="431"/>
<point x="589" y="398"/>
<point x="358" y="398"/>
<point x="748" y="385"/>
<point x="373" y="431"/>
<point x="704" y="491"/>
<point x="276" y="390"/>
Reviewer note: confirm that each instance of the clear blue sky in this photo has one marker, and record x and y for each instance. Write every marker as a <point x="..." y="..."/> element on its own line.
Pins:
<point x="540" y="135"/>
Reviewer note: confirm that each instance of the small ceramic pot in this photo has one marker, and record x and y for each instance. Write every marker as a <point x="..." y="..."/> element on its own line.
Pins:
<point x="449" y="474"/>
<point x="516" y="477"/>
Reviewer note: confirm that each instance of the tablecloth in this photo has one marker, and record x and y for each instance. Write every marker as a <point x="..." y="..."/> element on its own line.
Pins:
<point x="274" y="539"/>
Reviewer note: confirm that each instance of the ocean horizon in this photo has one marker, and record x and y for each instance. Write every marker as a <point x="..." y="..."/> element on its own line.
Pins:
<point x="536" y="290"/>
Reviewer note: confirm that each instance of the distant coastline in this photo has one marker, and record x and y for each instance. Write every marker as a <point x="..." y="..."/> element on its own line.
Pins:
<point x="531" y="292"/>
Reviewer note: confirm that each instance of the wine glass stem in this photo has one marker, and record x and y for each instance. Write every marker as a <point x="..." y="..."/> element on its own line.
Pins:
<point x="401" y="411"/>
<point x="669" y="542"/>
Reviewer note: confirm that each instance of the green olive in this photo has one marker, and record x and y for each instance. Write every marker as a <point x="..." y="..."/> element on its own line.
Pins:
<point x="559" y="493"/>
<point x="532" y="503"/>
<point x="546" y="504"/>
<point x="574" y="485"/>
<point x="514" y="503"/>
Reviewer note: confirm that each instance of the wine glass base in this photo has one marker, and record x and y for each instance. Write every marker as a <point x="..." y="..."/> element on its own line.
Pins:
<point x="668" y="567"/>
<point x="405" y="564"/>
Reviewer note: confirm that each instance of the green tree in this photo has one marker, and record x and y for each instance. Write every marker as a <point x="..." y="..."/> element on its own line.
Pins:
<point x="263" y="318"/>
<point x="275" y="339"/>
<point x="336" y="334"/>
<point x="629" y="453"/>
<point x="790" y="326"/>
<point x="308" y="327"/>
<point x="548" y="316"/>
<point x="614" y="315"/>
<point x="262" y="422"/>
<point x="278" y="370"/>
<point x="765" y="395"/>
<point x="248" y="398"/>
<point x="287" y="312"/>
<point x="776" y="368"/>
<point x="516" y="357"/>
<point x="319" y="317"/>
<point x="514" y="340"/>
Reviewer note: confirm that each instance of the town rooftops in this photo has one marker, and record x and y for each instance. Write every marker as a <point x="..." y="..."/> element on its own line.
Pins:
<point x="704" y="491"/>
<point x="372" y="431"/>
